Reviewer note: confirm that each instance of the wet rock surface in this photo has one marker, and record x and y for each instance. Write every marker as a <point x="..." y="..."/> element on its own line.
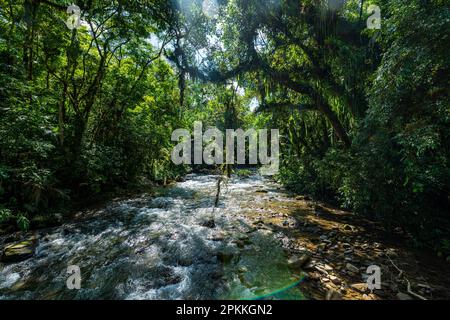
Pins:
<point x="19" y="251"/>
<point x="343" y="246"/>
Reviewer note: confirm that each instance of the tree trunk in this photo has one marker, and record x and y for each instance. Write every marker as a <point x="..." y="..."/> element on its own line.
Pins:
<point x="335" y="123"/>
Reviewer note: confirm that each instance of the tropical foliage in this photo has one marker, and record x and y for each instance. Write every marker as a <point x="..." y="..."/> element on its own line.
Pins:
<point x="364" y="113"/>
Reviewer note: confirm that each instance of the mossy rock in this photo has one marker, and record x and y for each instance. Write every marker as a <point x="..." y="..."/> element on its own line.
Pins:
<point x="19" y="251"/>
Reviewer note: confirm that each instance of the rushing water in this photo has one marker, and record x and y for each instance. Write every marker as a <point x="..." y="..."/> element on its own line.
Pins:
<point x="163" y="247"/>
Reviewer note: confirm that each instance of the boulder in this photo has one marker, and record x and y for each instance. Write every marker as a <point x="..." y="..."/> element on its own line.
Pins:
<point x="19" y="251"/>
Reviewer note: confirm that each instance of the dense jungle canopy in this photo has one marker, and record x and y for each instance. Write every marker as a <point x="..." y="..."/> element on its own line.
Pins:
<point x="363" y="113"/>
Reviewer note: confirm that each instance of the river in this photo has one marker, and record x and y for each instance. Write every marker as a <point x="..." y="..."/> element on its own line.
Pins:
<point x="172" y="245"/>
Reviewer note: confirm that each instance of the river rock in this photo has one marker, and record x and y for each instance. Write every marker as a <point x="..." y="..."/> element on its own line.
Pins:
<point x="20" y="251"/>
<point x="321" y="270"/>
<point x="347" y="227"/>
<point x="298" y="262"/>
<point x="335" y="280"/>
<point x="327" y="267"/>
<point x="309" y="266"/>
<point x="369" y="296"/>
<point x="209" y="223"/>
<point x="351" y="268"/>
<point x="360" y="287"/>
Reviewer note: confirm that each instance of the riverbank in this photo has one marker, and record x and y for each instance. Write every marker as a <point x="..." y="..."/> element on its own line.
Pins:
<point x="173" y="243"/>
<point x="64" y="213"/>
<point x="335" y="248"/>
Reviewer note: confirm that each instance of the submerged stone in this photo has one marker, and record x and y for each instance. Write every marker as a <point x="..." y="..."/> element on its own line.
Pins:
<point x="208" y="223"/>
